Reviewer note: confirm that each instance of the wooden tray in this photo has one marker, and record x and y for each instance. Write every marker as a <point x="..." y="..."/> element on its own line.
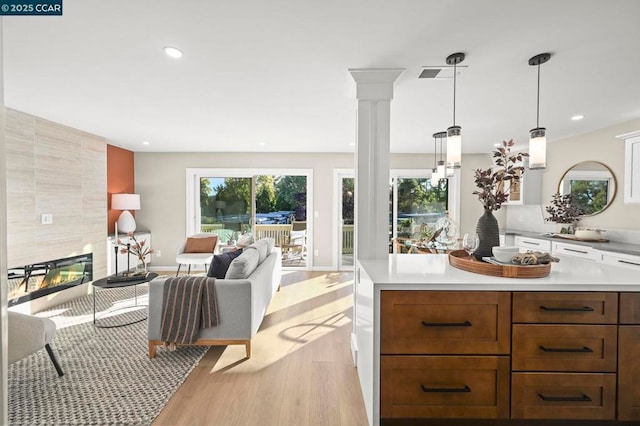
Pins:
<point x="574" y="238"/>
<point x="461" y="260"/>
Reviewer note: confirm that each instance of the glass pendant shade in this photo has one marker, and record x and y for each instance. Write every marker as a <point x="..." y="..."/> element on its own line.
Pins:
<point x="538" y="148"/>
<point x="454" y="147"/>
<point x="442" y="173"/>
<point x="434" y="179"/>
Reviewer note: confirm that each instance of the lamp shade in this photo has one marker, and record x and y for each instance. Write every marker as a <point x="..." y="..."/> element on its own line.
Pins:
<point x="454" y="147"/>
<point x="125" y="201"/>
<point x="538" y="148"/>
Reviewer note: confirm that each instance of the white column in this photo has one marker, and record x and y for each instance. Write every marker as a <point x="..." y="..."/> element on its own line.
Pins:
<point x="374" y="91"/>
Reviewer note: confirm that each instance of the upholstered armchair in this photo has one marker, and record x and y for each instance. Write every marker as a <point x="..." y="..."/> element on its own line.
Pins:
<point x="196" y="250"/>
<point x="29" y="334"/>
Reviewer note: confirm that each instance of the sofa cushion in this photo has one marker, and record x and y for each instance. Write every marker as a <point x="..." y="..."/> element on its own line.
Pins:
<point x="201" y="244"/>
<point x="262" y="246"/>
<point x="271" y="243"/>
<point x="221" y="262"/>
<point x="245" y="240"/>
<point x="244" y="265"/>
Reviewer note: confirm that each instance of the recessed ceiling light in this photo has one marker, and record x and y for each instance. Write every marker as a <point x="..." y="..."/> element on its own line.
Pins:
<point x="497" y="144"/>
<point x="352" y="144"/>
<point x="145" y="142"/>
<point x="262" y="143"/>
<point x="577" y="117"/>
<point x="173" y="52"/>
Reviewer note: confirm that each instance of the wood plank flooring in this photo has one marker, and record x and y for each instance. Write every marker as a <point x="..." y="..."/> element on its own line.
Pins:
<point x="300" y="371"/>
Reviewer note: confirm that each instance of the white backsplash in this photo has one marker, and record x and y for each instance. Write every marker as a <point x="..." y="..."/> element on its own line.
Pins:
<point x="531" y="218"/>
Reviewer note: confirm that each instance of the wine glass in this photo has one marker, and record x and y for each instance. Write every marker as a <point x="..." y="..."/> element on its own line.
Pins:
<point x="470" y="243"/>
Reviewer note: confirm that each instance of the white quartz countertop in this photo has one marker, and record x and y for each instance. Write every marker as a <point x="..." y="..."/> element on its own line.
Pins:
<point x="433" y="272"/>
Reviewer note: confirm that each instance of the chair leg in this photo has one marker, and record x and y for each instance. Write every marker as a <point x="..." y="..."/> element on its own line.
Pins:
<point x="178" y="271"/>
<point x="54" y="360"/>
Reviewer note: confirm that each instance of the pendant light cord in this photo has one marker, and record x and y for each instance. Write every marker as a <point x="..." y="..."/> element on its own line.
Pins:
<point x="538" y="104"/>
<point x="454" y="92"/>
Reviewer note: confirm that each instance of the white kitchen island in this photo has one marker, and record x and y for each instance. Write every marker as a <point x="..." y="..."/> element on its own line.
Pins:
<point x="605" y="301"/>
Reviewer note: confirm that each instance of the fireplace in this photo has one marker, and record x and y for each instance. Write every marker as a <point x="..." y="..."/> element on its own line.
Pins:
<point x="36" y="280"/>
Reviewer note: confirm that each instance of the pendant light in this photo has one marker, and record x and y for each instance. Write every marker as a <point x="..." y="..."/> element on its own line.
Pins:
<point x="537" y="136"/>
<point x="435" y="179"/>
<point x="454" y="133"/>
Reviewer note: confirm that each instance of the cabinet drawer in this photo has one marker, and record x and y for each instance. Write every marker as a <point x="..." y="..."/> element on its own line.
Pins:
<point x="425" y="322"/>
<point x="575" y="250"/>
<point x="534" y="244"/>
<point x="563" y="396"/>
<point x="629" y="373"/>
<point x="569" y="307"/>
<point x="589" y="348"/>
<point x="440" y="386"/>
<point x="623" y="260"/>
<point x="629" y="308"/>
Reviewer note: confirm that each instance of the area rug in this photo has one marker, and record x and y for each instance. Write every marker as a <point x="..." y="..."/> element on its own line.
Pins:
<point x="108" y="376"/>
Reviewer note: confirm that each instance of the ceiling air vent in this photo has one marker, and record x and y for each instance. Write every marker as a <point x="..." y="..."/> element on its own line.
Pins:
<point x="439" y="73"/>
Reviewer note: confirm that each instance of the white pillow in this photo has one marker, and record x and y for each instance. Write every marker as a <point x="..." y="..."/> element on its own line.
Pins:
<point x="244" y="265"/>
<point x="271" y="243"/>
<point x="262" y="246"/>
<point x="245" y="240"/>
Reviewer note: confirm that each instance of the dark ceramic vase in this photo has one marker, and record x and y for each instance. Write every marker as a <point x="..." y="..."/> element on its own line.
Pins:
<point x="489" y="234"/>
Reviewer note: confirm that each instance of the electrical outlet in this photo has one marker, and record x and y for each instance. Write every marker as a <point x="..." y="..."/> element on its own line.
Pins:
<point x="158" y="253"/>
<point x="46" y="219"/>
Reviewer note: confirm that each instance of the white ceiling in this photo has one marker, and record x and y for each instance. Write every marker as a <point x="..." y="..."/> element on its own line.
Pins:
<point x="272" y="75"/>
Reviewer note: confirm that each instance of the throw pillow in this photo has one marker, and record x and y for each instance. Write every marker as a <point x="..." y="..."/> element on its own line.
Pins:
<point x="245" y="240"/>
<point x="220" y="265"/>
<point x="244" y="265"/>
<point x="271" y="243"/>
<point x="262" y="246"/>
<point x="201" y="244"/>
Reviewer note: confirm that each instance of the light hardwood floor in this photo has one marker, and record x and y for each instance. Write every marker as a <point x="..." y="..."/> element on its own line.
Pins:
<point x="300" y="371"/>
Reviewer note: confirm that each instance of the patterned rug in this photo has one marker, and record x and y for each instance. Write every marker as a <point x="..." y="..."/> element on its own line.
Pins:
<point x="108" y="376"/>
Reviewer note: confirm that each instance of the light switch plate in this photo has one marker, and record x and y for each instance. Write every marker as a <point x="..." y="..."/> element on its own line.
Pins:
<point x="46" y="219"/>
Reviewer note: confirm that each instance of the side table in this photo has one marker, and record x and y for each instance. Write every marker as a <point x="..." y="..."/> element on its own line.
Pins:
<point x="104" y="284"/>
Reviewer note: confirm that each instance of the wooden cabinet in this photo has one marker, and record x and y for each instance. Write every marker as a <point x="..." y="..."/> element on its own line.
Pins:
<point x="422" y="322"/>
<point x="444" y="387"/>
<point x="521" y="355"/>
<point x="564" y="356"/>
<point x="445" y="354"/>
<point x="631" y="187"/>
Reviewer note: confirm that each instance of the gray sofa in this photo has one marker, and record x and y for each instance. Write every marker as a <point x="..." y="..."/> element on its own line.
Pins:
<point x="242" y="304"/>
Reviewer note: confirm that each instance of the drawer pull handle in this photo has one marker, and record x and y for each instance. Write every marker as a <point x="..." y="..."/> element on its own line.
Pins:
<point x="629" y="263"/>
<point x="552" y="309"/>
<point x="583" y="349"/>
<point x="530" y="242"/>
<point x="465" y="389"/>
<point x="447" y="324"/>
<point x="581" y="398"/>
<point x="575" y="251"/>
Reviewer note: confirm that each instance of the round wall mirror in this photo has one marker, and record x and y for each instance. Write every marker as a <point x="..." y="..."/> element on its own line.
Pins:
<point x="592" y="184"/>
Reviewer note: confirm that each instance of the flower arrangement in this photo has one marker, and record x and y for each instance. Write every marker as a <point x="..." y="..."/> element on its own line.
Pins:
<point x="138" y="249"/>
<point x="492" y="191"/>
<point x="563" y="209"/>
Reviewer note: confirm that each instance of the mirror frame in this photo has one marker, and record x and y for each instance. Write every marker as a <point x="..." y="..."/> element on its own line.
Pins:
<point x="613" y="178"/>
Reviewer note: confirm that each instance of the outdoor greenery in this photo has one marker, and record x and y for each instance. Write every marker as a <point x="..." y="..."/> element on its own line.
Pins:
<point x="273" y="193"/>
<point x="416" y="195"/>
<point x="590" y="195"/>
<point x="348" y="200"/>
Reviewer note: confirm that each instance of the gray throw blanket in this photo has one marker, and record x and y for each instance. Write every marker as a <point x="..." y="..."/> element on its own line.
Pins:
<point x="189" y="305"/>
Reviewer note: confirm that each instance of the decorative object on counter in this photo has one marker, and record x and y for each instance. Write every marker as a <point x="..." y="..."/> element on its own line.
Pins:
<point x="447" y="229"/>
<point x="460" y="260"/>
<point x="138" y="249"/>
<point x="492" y="193"/>
<point x="470" y="243"/>
<point x="564" y="212"/>
<point x="533" y="258"/>
<point x="593" y="234"/>
<point x="504" y="254"/>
